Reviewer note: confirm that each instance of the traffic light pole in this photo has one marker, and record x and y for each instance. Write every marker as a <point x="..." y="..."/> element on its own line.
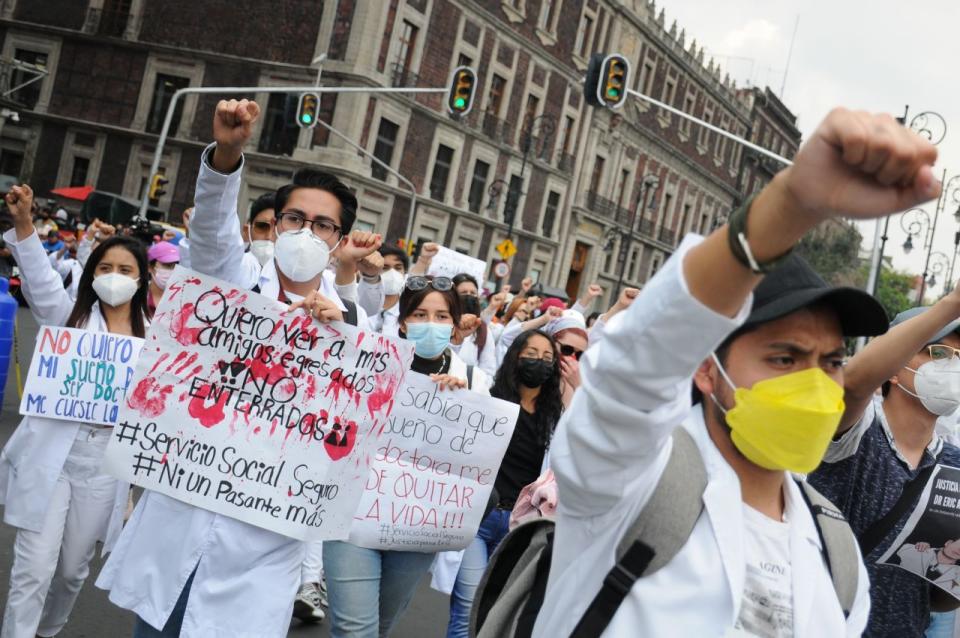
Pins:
<point x="710" y="127"/>
<point x="232" y="90"/>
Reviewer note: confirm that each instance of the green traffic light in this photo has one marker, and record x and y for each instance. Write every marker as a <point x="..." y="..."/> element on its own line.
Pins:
<point x="459" y="103"/>
<point x="613" y="93"/>
<point x="306" y="118"/>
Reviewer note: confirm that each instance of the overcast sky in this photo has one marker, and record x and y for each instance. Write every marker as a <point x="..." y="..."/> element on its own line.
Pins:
<point x="876" y="55"/>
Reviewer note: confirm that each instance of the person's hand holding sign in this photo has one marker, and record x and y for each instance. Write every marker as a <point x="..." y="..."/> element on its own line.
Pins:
<point x="449" y="382"/>
<point x="321" y="308"/>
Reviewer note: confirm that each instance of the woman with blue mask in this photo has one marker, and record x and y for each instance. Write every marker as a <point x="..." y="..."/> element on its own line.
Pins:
<point x="358" y="577"/>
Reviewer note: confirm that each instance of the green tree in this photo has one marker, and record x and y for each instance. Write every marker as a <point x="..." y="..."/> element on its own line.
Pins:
<point x="832" y="249"/>
<point x="894" y="289"/>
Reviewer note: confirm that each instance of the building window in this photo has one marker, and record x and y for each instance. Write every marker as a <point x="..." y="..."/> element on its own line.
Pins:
<point x="633" y="264"/>
<point x="669" y="92"/>
<point x="280" y="132"/>
<point x="622" y="201"/>
<point x="704" y="223"/>
<point x="614" y="249"/>
<point x="383" y="149"/>
<point x="514" y="192"/>
<point x="81" y="166"/>
<point x="533" y="102"/>
<point x="665" y="213"/>
<point x="548" y="15"/>
<point x="478" y="185"/>
<point x="597" y="177"/>
<point x="408" y="44"/>
<point x="568" y="134"/>
<point x="28" y="95"/>
<point x="689" y="103"/>
<point x="163" y="90"/>
<point x="685" y="219"/>
<point x="720" y="144"/>
<point x="441" y="172"/>
<point x="113" y="20"/>
<point x="584" y="36"/>
<point x="645" y="77"/>
<point x="703" y="136"/>
<point x="550" y="213"/>
<point x="464" y="60"/>
<point x="11" y="162"/>
<point x="498" y="86"/>
<point x="655" y="264"/>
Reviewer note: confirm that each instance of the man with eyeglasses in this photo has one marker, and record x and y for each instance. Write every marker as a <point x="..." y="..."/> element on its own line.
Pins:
<point x="886" y="448"/>
<point x="184" y="570"/>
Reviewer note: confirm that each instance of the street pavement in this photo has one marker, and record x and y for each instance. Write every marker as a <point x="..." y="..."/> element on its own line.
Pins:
<point x="95" y="617"/>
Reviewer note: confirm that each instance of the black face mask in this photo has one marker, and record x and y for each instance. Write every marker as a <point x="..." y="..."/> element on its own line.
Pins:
<point x="533" y="373"/>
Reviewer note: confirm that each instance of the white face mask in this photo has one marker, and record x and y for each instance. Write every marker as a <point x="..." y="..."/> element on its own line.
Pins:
<point x="938" y="386"/>
<point x="301" y="255"/>
<point x="262" y="249"/>
<point x="115" y="289"/>
<point x="392" y="281"/>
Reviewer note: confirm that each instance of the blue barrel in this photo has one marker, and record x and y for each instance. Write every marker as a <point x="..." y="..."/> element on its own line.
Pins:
<point x="8" y="315"/>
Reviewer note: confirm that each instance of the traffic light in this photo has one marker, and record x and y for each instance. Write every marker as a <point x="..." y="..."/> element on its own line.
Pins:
<point x="606" y="81"/>
<point x="462" y="87"/>
<point x="308" y="110"/>
<point x="157" y="183"/>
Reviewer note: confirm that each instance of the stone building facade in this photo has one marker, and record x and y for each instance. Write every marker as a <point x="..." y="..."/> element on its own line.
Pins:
<point x="572" y="173"/>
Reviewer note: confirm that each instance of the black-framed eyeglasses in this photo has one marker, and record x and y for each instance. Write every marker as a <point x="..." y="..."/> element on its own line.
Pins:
<point x="940" y="352"/>
<point x="570" y="351"/>
<point x="323" y="228"/>
<point x="263" y="226"/>
<point x="418" y="283"/>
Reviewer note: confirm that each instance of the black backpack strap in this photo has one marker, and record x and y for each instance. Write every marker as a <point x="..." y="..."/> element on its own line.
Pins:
<point x="350" y="316"/>
<point x="656" y="536"/>
<point x="874" y="535"/>
<point x="837" y="540"/>
<point x="469" y="377"/>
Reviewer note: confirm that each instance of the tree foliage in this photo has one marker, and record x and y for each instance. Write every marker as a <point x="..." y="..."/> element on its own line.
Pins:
<point x="832" y="249"/>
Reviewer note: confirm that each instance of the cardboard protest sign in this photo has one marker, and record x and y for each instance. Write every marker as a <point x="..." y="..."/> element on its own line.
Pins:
<point x="434" y="468"/>
<point x="450" y="263"/>
<point x="78" y="375"/>
<point x="929" y="544"/>
<point x="246" y="409"/>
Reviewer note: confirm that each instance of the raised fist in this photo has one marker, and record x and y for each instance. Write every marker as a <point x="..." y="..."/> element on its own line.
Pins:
<point x="233" y="122"/>
<point x="859" y="164"/>
<point x="20" y="203"/>
<point x="429" y="251"/>
<point x="371" y="265"/>
<point x="594" y="291"/>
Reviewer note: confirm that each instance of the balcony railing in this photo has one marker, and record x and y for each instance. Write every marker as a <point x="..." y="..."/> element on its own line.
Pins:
<point x="602" y="206"/>
<point x="667" y="236"/>
<point x="495" y="129"/>
<point x="566" y="162"/>
<point x="400" y="75"/>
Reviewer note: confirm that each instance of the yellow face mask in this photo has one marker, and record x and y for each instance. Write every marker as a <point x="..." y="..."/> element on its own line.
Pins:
<point x="787" y="422"/>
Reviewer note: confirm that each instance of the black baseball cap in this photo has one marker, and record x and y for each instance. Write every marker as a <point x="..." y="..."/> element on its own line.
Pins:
<point x="794" y="285"/>
<point x="953" y="326"/>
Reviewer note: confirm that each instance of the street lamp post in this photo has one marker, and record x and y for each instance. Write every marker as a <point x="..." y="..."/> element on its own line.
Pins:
<point x="932" y="126"/>
<point x="650" y="185"/>
<point x="939" y="263"/>
<point x="548" y="125"/>
<point x="917" y="221"/>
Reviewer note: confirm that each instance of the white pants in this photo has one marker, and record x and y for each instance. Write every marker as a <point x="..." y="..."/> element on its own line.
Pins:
<point x="50" y="566"/>
<point x="312" y="569"/>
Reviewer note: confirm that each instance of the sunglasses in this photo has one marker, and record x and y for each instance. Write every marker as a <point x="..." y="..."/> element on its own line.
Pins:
<point x="418" y="283"/>
<point x="570" y="351"/>
<point x="941" y="352"/>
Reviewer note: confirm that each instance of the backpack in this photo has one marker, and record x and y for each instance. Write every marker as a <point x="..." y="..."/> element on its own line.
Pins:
<point x="513" y="586"/>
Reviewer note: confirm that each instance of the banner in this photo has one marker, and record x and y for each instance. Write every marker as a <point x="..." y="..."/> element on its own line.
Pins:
<point x="929" y="544"/>
<point x="434" y="469"/>
<point x="245" y="409"/>
<point x="450" y="263"/>
<point x="78" y="375"/>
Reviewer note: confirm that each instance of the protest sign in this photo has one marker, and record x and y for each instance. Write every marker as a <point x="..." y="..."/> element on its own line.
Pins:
<point x="434" y="468"/>
<point x="450" y="263"/>
<point x="78" y="375"/>
<point x="929" y="544"/>
<point x="244" y="408"/>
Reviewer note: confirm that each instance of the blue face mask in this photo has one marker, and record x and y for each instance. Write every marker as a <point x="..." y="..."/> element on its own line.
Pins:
<point x="429" y="339"/>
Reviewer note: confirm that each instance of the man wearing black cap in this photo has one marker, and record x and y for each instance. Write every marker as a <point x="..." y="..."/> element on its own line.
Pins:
<point x="753" y="561"/>
<point x="877" y="469"/>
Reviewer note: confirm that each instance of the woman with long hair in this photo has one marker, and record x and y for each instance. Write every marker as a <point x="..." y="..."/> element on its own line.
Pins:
<point x="472" y="339"/>
<point x="50" y="480"/>
<point x="529" y="376"/>
<point x="368" y="589"/>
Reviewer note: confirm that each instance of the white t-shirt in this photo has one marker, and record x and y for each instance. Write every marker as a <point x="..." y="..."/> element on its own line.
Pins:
<point x="767" y="606"/>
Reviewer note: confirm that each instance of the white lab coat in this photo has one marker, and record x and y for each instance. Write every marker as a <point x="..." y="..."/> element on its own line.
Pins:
<point x="246" y="577"/>
<point x="486" y="359"/>
<point x="33" y="458"/>
<point x="611" y="448"/>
